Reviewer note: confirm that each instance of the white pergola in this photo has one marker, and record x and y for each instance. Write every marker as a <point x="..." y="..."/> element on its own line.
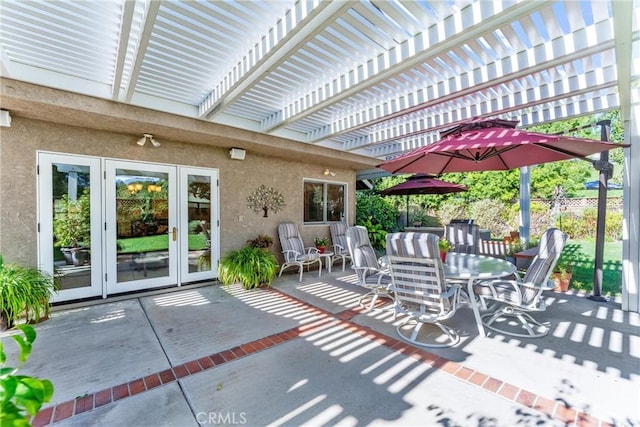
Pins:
<point x="375" y="78"/>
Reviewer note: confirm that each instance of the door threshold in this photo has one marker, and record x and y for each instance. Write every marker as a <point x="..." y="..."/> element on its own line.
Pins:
<point x="88" y="302"/>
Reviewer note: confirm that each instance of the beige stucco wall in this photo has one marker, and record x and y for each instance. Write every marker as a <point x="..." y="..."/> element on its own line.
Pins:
<point x="20" y="142"/>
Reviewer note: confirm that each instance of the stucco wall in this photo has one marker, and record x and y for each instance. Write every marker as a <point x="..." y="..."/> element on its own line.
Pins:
<point x="20" y="142"/>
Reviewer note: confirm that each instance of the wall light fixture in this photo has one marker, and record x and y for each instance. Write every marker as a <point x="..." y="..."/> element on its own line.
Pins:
<point x="148" y="137"/>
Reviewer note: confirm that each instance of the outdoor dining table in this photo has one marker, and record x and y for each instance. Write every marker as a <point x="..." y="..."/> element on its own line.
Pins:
<point x="471" y="267"/>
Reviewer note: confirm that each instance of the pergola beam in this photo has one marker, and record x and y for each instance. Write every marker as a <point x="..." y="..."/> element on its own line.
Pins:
<point x="227" y="93"/>
<point x="417" y="50"/>
<point x="141" y="50"/>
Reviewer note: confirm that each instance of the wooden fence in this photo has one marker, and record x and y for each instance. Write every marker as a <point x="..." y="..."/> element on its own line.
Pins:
<point x="579" y="204"/>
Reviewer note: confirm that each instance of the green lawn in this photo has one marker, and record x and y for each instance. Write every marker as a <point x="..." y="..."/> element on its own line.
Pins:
<point x="594" y="193"/>
<point x="581" y="255"/>
<point x="156" y="243"/>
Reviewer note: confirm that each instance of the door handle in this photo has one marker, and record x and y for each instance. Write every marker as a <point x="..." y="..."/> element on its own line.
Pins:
<point x="175" y="234"/>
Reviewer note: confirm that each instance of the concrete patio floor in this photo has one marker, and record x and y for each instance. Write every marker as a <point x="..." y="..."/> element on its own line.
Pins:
<point x="304" y="353"/>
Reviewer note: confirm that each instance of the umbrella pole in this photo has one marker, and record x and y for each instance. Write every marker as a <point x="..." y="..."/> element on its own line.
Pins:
<point x="605" y="169"/>
<point x="407" y="211"/>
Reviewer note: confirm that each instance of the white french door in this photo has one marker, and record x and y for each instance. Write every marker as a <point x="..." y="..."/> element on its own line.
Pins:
<point x="111" y="226"/>
<point x="199" y="249"/>
<point x="69" y="224"/>
<point x="141" y="226"/>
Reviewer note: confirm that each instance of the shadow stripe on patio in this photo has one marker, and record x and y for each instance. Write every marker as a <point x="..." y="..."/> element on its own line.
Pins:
<point x="548" y="407"/>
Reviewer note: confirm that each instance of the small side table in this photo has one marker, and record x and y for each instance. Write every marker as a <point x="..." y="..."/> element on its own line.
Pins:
<point x="523" y="258"/>
<point x="328" y="259"/>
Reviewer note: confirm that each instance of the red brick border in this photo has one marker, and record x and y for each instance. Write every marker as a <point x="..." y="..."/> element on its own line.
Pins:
<point x="541" y="404"/>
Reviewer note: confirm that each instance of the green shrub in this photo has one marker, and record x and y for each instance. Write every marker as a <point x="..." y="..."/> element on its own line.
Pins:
<point x="376" y="209"/>
<point x="571" y="224"/>
<point x="253" y="267"/>
<point x="490" y="215"/>
<point x="21" y="395"/>
<point x="72" y="221"/>
<point x="584" y="226"/>
<point x="613" y="226"/>
<point x="450" y="210"/>
<point x="377" y="235"/>
<point x="24" y="291"/>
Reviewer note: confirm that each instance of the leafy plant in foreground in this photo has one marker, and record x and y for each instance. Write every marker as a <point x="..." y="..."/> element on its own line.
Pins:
<point x="21" y="396"/>
<point x="24" y="291"/>
<point x="250" y="266"/>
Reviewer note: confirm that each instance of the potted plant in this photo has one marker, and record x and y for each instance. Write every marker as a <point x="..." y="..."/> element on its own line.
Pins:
<point x="561" y="276"/>
<point x="321" y="244"/>
<point x="251" y="266"/>
<point x="445" y="246"/>
<point x="513" y="246"/>
<point x="24" y="291"/>
<point x="72" y="228"/>
<point x="262" y="241"/>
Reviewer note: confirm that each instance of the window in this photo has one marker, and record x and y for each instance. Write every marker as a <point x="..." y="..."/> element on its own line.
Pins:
<point x="323" y="201"/>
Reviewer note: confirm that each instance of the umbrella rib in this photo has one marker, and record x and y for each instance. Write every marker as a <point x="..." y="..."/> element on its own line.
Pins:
<point x="408" y="164"/>
<point x="562" y="151"/>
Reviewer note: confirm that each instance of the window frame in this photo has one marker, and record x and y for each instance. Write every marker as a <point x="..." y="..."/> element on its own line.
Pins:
<point x="325" y="184"/>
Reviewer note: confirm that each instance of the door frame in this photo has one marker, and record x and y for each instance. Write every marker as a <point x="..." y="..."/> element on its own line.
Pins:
<point x="111" y="252"/>
<point x="44" y="215"/>
<point x="103" y="223"/>
<point x="214" y="231"/>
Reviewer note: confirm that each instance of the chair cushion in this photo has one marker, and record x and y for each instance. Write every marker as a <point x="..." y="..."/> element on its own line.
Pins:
<point x="363" y="254"/>
<point x="339" y="237"/>
<point x="290" y="239"/>
<point x="465" y="237"/>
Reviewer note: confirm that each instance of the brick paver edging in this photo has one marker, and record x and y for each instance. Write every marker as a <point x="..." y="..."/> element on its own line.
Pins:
<point x="548" y="407"/>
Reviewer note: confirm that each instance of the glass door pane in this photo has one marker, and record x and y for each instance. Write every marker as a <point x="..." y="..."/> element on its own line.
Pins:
<point x="141" y="226"/>
<point x="199" y="224"/>
<point x="70" y="216"/>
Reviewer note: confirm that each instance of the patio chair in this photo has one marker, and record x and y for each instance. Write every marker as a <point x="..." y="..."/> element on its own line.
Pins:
<point x="370" y="273"/>
<point x="464" y="236"/>
<point x="513" y="300"/>
<point x="421" y="290"/>
<point x="295" y="253"/>
<point x="339" y="239"/>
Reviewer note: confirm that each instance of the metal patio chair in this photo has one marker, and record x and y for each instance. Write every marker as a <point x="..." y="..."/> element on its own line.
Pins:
<point x="513" y="300"/>
<point x="421" y="290"/>
<point x="338" y="232"/>
<point x="364" y="261"/>
<point x="464" y="236"/>
<point x="295" y="253"/>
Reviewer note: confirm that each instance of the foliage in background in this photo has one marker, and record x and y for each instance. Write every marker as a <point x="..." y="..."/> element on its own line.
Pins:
<point x="24" y="291"/>
<point x="592" y="132"/>
<point x="584" y="226"/>
<point x="377" y="234"/>
<point x="376" y="209"/>
<point x="539" y="219"/>
<point x="253" y="267"/>
<point x="21" y="395"/>
<point x="497" y="185"/>
<point x="570" y="174"/>
<point x="450" y="210"/>
<point x="72" y="221"/>
<point x="491" y="215"/>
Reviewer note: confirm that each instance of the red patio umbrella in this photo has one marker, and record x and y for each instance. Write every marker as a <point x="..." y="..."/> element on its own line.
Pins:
<point x="422" y="184"/>
<point x="482" y="145"/>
